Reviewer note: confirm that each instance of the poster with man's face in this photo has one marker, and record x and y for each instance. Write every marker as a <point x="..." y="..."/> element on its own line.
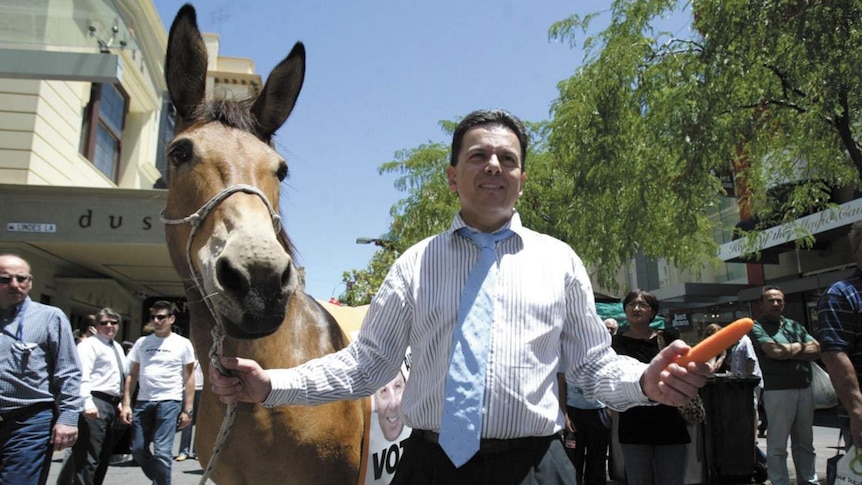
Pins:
<point x="387" y="431"/>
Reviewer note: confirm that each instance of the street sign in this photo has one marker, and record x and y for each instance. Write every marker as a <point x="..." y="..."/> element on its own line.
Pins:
<point x="30" y="227"/>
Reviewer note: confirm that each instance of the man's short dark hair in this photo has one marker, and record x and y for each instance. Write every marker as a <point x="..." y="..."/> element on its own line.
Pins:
<point x="769" y="288"/>
<point x="164" y="305"/>
<point x="489" y="117"/>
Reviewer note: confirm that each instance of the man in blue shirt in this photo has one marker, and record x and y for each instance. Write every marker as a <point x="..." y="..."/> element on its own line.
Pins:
<point x="39" y="371"/>
<point x="839" y="330"/>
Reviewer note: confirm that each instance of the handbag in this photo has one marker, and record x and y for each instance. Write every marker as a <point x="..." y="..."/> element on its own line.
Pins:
<point x="692" y="412"/>
<point x="825" y="396"/>
<point x="848" y="468"/>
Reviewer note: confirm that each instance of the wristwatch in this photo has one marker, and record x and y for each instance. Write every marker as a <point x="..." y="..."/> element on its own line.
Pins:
<point x="189" y="412"/>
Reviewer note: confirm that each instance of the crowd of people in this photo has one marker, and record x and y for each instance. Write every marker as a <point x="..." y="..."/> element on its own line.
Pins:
<point x="492" y="312"/>
<point x="73" y="390"/>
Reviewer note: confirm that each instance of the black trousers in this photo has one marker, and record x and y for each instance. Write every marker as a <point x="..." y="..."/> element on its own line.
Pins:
<point x="425" y="463"/>
<point x="591" y="452"/>
<point x="88" y="461"/>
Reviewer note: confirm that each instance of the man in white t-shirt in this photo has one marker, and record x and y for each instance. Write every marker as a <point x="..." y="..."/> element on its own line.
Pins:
<point x="163" y="364"/>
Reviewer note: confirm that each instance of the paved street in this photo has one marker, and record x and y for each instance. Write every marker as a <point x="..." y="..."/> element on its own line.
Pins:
<point x="189" y="472"/>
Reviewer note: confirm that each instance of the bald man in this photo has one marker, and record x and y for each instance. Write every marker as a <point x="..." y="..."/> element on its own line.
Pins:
<point x="40" y="379"/>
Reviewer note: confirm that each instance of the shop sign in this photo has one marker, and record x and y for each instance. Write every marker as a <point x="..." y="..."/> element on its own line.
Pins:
<point x="680" y="321"/>
<point x="822" y="221"/>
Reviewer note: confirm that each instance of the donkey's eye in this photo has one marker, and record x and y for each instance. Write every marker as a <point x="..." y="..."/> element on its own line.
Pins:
<point x="282" y="171"/>
<point x="180" y="152"/>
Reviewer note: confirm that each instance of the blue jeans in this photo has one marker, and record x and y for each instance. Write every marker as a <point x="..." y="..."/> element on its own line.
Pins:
<point x="155" y="422"/>
<point x="25" y="448"/>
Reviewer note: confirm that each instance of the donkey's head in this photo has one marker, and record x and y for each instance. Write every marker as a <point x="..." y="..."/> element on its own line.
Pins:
<point x="222" y="227"/>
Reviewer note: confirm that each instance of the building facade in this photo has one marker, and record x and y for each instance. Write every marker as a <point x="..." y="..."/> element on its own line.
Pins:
<point x="84" y="121"/>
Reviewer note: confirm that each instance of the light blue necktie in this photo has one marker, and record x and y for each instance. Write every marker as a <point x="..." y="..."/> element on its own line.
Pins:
<point x="461" y="425"/>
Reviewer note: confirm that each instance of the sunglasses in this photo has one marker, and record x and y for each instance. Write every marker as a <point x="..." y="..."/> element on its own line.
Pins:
<point x="21" y="279"/>
<point x="159" y="318"/>
<point x="109" y="322"/>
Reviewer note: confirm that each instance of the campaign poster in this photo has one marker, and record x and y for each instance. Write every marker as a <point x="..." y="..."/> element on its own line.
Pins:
<point x="386" y="431"/>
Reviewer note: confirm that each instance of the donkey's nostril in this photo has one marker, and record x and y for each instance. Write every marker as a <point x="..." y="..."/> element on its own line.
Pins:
<point x="230" y="278"/>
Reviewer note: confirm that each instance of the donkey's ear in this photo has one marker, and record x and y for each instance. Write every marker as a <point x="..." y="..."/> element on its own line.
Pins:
<point x="186" y="63"/>
<point x="276" y="101"/>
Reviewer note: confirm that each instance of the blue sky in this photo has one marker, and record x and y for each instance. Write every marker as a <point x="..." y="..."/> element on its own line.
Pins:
<point x="380" y="76"/>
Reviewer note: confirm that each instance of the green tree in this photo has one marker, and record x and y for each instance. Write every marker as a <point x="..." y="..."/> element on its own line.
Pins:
<point x="645" y="128"/>
<point x="427" y="208"/>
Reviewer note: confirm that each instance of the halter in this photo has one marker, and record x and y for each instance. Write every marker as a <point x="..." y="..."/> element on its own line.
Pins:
<point x="196" y="219"/>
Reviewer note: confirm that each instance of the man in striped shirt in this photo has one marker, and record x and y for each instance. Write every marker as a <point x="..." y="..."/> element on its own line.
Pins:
<point x="544" y="319"/>
<point x="40" y="379"/>
<point x="839" y="330"/>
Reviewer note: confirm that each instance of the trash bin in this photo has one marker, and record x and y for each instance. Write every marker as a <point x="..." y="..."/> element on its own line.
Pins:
<point x="729" y="429"/>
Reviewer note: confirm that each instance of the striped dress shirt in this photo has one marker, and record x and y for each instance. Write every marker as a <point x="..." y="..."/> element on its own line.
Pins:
<point x="43" y="365"/>
<point x="544" y="320"/>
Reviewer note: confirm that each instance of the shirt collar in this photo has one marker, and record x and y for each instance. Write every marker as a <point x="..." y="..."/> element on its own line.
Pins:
<point x="513" y="224"/>
<point x="103" y="339"/>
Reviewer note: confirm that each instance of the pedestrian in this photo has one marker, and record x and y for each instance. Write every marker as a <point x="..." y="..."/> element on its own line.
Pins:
<point x="839" y="331"/>
<point x="86" y="327"/>
<point x="40" y="379"/>
<point x="187" y="447"/>
<point x="653" y="439"/>
<point x="611" y="324"/>
<point x="785" y="351"/>
<point x="163" y="364"/>
<point x="482" y="397"/>
<point x="103" y="370"/>
<point x="743" y="362"/>
<point x="718" y="362"/>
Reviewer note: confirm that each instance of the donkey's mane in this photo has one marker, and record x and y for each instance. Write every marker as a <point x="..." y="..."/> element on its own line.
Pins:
<point x="229" y="112"/>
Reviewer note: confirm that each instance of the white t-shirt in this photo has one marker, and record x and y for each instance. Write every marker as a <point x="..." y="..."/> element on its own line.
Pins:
<point x="161" y="362"/>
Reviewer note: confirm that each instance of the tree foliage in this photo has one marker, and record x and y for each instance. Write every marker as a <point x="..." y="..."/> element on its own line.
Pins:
<point x="427" y="208"/>
<point x="769" y="91"/>
<point x="765" y="93"/>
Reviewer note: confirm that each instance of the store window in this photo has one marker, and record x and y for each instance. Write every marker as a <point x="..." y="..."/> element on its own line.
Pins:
<point x="102" y="132"/>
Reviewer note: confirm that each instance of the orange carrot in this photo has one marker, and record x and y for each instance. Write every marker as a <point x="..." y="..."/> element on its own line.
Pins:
<point x="715" y="343"/>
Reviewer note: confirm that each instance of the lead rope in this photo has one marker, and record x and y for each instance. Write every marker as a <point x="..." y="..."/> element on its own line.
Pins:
<point x="217" y="332"/>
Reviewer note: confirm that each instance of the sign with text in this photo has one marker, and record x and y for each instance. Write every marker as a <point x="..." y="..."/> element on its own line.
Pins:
<point x="30" y="227"/>
<point x="822" y="221"/>
<point x="680" y="321"/>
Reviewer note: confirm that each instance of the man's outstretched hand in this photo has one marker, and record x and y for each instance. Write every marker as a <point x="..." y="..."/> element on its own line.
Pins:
<point x="666" y="382"/>
<point x="248" y="384"/>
